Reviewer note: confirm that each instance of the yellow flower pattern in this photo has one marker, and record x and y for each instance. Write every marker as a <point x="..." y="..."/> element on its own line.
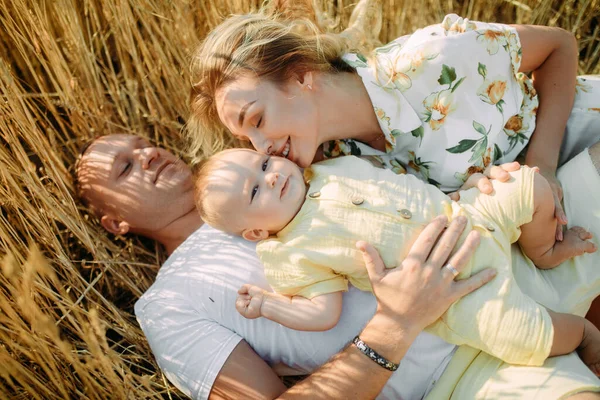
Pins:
<point x="449" y="99"/>
<point x="492" y="92"/>
<point x="437" y="107"/>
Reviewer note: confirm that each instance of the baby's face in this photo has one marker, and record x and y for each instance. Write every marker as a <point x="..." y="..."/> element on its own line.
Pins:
<point x="261" y="192"/>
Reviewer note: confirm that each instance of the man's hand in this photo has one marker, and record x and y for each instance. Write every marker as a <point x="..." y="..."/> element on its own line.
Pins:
<point x="422" y="287"/>
<point x="482" y="180"/>
<point x="249" y="301"/>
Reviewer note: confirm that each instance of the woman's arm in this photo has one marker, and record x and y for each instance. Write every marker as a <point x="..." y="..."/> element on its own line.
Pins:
<point x="409" y="297"/>
<point x="551" y="53"/>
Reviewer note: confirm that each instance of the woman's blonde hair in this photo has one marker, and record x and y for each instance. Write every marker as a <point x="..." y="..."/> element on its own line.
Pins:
<point x="256" y="44"/>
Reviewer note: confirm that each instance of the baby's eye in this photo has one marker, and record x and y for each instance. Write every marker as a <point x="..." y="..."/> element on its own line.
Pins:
<point x="254" y="191"/>
<point x="265" y="164"/>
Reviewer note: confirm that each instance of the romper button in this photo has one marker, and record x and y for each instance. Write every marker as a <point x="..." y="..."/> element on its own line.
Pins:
<point x="357" y="201"/>
<point x="314" y="195"/>
<point x="404" y="213"/>
<point x="490" y="228"/>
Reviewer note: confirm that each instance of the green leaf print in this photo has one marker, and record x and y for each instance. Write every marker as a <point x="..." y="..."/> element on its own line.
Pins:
<point x="479" y="128"/>
<point x="497" y="153"/>
<point x="432" y="181"/>
<point x="360" y="63"/>
<point x="418" y="133"/>
<point x="448" y="75"/>
<point x="462" y="146"/>
<point x="457" y="83"/>
<point x="479" y="150"/>
<point x="499" y="106"/>
<point x="396" y="132"/>
<point x="387" y="48"/>
<point x="482" y="69"/>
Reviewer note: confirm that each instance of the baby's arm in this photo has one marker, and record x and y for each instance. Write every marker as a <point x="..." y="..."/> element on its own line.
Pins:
<point x="538" y="237"/>
<point x="572" y="332"/>
<point x="317" y="314"/>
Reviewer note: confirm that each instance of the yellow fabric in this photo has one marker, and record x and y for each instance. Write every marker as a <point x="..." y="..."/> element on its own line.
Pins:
<point x="571" y="288"/>
<point x="315" y="254"/>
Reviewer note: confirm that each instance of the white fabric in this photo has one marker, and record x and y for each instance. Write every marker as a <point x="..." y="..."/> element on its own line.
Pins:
<point x="190" y="321"/>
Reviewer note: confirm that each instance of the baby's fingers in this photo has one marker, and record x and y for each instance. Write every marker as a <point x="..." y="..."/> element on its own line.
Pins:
<point x="245" y="289"/>
<point x="241" y="304"/>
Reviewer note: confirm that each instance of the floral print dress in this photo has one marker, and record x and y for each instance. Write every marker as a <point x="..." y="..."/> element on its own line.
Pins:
<point x="449" y="99"/>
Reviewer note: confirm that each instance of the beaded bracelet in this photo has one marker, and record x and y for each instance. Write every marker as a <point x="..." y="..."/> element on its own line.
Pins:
<point x="373" y="355"/>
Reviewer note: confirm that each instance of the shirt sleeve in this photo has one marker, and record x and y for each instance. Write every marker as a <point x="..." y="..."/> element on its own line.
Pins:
<point x="291" y="271"/>
<point x="189" y="348"/>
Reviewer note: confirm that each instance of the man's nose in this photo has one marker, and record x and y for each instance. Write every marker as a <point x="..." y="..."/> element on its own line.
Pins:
<point x="272" y="178"/>
<point x="147" y="155"/>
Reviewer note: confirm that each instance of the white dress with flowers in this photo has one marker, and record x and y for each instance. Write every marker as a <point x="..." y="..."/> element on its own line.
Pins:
<point x="450" y="100"/>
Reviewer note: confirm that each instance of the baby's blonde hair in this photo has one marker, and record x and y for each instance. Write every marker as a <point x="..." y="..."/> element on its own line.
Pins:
<point x="204" y="187"/>
<point x="255" y="44"/>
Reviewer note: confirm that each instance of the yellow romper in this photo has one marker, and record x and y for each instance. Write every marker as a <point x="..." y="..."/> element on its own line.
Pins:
<point x="349" y="200"/>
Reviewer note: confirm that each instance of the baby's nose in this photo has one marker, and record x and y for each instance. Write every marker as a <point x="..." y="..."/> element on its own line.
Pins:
<point x="272" y="178"/>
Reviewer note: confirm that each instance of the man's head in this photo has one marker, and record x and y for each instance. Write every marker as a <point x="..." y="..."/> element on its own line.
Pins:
<point x="133" y="186"/>
<point x="243" y="192"/>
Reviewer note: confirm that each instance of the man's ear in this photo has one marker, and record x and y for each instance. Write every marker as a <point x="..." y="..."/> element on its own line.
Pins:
<point x="114" y="226"/>
<point x="306" y="80"/>
<point x="254" y="235"/>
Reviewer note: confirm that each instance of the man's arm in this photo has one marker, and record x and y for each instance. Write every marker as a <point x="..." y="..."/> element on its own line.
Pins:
<point x="410" y="297"/>
<point x="246" y="376"/>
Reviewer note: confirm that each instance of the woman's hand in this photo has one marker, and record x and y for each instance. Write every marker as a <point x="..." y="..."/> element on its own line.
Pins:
<point x="423" y="286"/>
<point x="482" y="180"/>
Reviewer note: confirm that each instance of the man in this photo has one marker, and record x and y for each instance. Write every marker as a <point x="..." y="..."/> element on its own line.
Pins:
<point x="201" y="343"/>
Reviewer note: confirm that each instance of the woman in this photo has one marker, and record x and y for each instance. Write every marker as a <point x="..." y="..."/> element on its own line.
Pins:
<point x="433" y="111"/>
<point x="424" y="104"/>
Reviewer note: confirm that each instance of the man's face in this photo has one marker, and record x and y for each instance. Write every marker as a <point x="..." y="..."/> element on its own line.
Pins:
<point x="141" y="187"/>
<point x="259" y="192"/>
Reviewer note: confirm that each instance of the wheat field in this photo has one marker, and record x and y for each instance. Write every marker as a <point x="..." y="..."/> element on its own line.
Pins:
<point x="71" y="70"/>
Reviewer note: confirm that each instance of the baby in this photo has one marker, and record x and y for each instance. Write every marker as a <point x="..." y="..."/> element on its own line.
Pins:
<point x="308" y="234"/>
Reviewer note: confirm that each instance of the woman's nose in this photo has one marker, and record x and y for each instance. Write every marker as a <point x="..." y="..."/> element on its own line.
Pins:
<point x="261" y="144"/>
<point x="147" y="155"/>
<point x="272" y="178"/>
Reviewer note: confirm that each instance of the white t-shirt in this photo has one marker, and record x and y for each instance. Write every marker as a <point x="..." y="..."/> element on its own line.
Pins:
<point x="189" y="318"/>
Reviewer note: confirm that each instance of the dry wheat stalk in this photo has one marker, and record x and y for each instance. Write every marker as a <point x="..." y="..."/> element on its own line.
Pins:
<point x="74" y="69"/>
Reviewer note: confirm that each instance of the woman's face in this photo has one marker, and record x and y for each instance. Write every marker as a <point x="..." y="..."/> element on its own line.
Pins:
<point x="277" y="119"/>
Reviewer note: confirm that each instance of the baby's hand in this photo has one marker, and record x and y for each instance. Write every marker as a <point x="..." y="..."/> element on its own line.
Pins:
<point x="589" y="349"/>
<point x="249" y="301"/>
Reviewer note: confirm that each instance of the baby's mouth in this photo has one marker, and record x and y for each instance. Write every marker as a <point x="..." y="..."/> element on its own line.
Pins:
<point x="284" y="188"/>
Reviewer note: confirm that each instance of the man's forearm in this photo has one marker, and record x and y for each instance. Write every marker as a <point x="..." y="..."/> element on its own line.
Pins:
<point x="338" y="377"/>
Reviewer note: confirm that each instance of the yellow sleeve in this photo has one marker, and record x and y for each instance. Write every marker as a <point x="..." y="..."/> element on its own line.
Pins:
<point x="290" y="271"/>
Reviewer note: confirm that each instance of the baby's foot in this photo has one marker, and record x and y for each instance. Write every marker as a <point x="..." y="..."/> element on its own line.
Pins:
<point x="575" y="243"/>
<point x="589" y="349"/>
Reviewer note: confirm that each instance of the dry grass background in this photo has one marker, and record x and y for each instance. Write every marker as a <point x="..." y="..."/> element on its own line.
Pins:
<point x="74" y="69"/>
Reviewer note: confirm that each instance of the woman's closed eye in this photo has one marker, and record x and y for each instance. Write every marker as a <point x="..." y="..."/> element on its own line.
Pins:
<point x="259" y="123"/>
